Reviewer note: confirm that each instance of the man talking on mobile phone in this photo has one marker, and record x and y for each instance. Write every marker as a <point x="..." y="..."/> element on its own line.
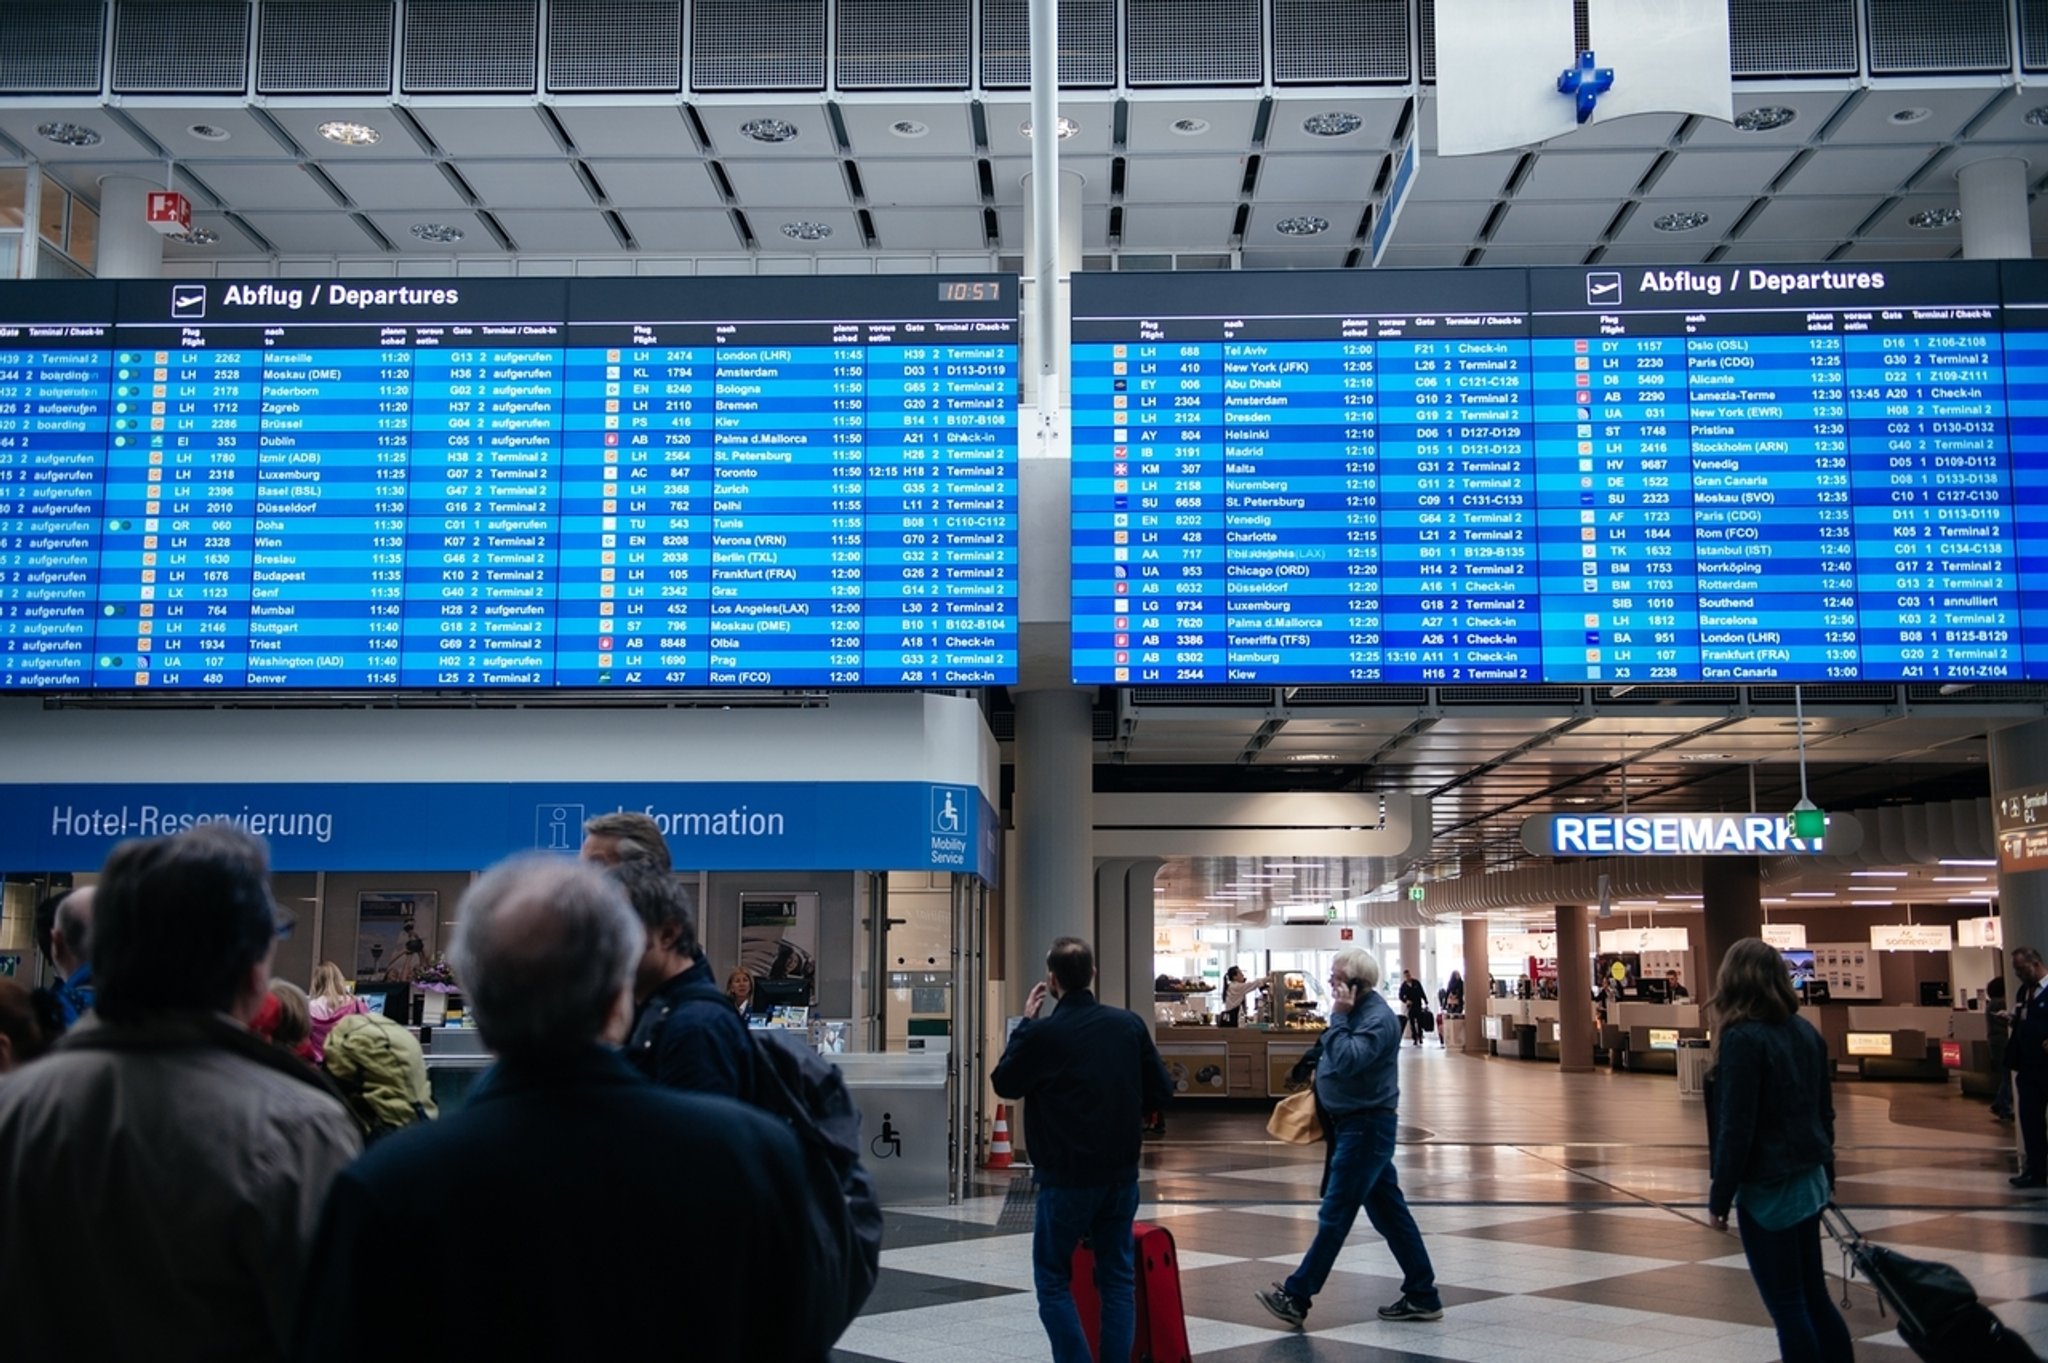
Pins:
<point x="1357" y="1088"/>
<point x="1091" y="1074"/>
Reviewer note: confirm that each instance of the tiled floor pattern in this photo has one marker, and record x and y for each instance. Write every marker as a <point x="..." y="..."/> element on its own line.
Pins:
<point x="1554" y="1248"/>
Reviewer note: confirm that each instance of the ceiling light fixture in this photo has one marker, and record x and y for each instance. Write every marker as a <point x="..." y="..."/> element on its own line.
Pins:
<point x="1934" y="219"/>
<point x="198" y="236"/>
<point x="1912" y="113"/>
<point x="68" y="134"/>
<point x="1064" y="126"/>
<point x="2038" y="116"/>
<point x="806" y="231"/>
<point x="350" y="134"/>
<point x="1896" y="875"/>
<point x="1764" y="118"/>
<point x="909" y="127"/>
<point x="1337" y="123"/>
<point x="206" y="132"/>
<point x="1687" y="221"/>
<point x="1958" y="880"/>
<point x="440" y="233"/>
<point x="1969" y="861"/>
<point x="1191" y="127"/>
<point x="1302" y="225"/>
<point x="769" y="130"/>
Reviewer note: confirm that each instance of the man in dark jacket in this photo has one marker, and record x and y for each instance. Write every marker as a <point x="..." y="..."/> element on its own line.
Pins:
<point x="595" y="1215"/>
<point x="686" y="1035"/>
<point x="2026" y="1054"/>
<point x="1091" y="1074"/>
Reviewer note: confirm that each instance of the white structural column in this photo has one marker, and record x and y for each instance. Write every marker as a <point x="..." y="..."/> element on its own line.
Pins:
<point x="1048" y="369"/>
<point x="1052" y="889"/>
<point x="129" y="248"/>
<point x="1994" y="202"/>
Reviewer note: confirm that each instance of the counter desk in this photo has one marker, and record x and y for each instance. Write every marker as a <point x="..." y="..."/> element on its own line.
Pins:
<point x="1231" y="1062"/>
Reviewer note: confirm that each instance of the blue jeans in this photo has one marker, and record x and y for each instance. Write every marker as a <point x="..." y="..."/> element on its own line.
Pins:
<point x="1103" y="1217"/>
<point x="1786" y="1266"/>
<point x="1361" y="1174"/>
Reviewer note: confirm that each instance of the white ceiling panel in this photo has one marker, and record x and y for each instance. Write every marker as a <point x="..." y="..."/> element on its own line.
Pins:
<point x="1270" y="256"/>
<point x="171" y="126"/>
<point x="1177" y="227"/>
<point x="394" y="185"/>
<point x="1904" y="250"/>
<point x="1094" y="228"/>
<point x="1440" y="224"/>
<point x="1811" y="110"/>
<point x="871" y="128"/>
<point x="302" y="121"/>
<point x="930" y="229"/>
<point x="317" y="233"/>
<point x="1721" y="215"/>
<point x="687" y="231"/>
<point x="1720" y="173"/>
<point x="768" y="224"/>
<point x="584" y="230"/>
<point x="1380" y="114"/>
<point x="250" y="185"/>
<point x="627" y="129"/>
<point x="1767" y="250"/>
<point x="920" y="183"/>
<point x="1609" y="175"/>
<point x="1342" y="217"/>
<point x="398" y="226"/>
<point x="1292" y="179"/>
<point x="723" y="122"/>
<point x="680" y="183"/>
<point x="1636" y="130"/>
<point x="1009" y="174"/>
<point x="544" y="183"/>
<point x="1877" y="116"/>
<point x="784" y="184"/>
<point x="471" y="130"/>
<point x="1422" y="253"/>
<point x="1670" y="251"/>
<point x="1460" y="177"/>
<point x="115" y="143"/>
<point x="1530" y="224"/>
<point x="1893" y="225"/>
<point x="1792" y="218"/>
<point x="1177" y="179"/>
<point x="1856" y="170"/>
<point x="1094" y="116"/>
<point x="1154" y="125"/>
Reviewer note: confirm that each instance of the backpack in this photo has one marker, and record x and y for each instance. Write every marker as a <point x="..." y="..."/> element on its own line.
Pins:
<point x="380" y="1070"/>
<point x="796" y="1084"/>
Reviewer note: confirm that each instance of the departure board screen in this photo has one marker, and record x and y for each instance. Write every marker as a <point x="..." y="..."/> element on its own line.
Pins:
<point x="603" y="483"/>
<point x="1610" y="476"/>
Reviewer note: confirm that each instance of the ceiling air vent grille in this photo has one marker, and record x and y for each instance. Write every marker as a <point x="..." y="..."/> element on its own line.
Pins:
<point x="1358" y="695"/>
<point x="1792" y="37"/>
<point x="52" y="49"/>
<point x="1508" y="695"/>
<point x="1907" y="37"/>
<point x="199" y="47"/>
<point x="1194" y="42"/>
<point x="615" y="46"/>
<point x="1254" y="696"/>
<point x="903" y="45"/>
<point x="757" y="45"/>
<point x="1087" y="44"/>
<point x="1339" y="42"/>
<point x="324" y="47"/>
<point x="463" y="47"/>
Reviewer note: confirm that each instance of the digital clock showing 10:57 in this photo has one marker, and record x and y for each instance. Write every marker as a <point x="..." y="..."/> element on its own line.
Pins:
<point x="971" y="291"/>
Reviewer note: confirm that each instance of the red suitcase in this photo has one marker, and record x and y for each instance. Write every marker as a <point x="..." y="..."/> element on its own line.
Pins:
<point x="1162" y="1334"/>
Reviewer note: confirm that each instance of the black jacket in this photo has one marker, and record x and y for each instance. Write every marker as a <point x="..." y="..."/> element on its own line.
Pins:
<point x="688" y="1036"/>
<point x="1091" y="1074"/>
<point x="583" y="1213"/>
<point x="1770" y="1107"/>
<point x="2023" y="1052"/>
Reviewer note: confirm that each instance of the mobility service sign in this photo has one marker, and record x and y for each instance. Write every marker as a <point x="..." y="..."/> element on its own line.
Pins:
<point x="426" y="826"/>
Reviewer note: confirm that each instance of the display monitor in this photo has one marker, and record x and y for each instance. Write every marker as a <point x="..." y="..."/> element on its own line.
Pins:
<point x="1800" y="963"/>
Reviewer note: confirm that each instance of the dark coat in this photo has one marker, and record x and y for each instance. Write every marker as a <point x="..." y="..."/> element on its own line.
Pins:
<point x="1091" y="1074"/>
<point x="688" y="1036"/>
<point x="2023" y="1051"/>
<point x="1770" y="1107"/>
<point x="577" y="1211"/>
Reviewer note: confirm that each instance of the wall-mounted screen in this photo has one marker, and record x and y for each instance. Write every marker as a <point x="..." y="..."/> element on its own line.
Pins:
<point x="592" y="483"/>
<point x="1614" y="475"/>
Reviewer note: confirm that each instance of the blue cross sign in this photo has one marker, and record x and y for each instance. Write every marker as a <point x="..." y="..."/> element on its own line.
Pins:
<point x="1587" y="81"/>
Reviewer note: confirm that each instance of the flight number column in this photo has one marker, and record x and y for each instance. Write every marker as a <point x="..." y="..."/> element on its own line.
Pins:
<point x="54" y="418"/>
<point x="483" y="513"/>
<point x="636" y="500"/>
<point x="1166" y="523"/>
<point x="1936" y="524"/>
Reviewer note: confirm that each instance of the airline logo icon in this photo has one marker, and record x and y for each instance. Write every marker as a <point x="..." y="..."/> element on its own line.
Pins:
<point x="188" y="301"/>
<point x="1603" y="290"/>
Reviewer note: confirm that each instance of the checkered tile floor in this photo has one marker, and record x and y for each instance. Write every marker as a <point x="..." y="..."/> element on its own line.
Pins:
<point x="1576" y="1250"/>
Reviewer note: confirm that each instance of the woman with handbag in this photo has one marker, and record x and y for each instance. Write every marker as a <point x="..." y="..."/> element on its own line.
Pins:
<point x="1771" y="1142"/>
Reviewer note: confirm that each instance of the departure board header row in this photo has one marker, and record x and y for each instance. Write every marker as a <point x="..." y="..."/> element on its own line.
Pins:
<point x="1600" y="475"/>
<point x="602" y="483"/>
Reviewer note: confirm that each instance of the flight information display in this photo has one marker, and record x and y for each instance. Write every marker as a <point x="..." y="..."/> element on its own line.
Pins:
<point x="1611" y="476"/>
<point x="593" y="483"/>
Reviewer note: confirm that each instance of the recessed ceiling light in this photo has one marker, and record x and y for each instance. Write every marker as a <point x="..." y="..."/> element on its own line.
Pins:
<point x="350" y="134"/>
<point x="768" y="129"/>
<point x="438" y="232"/>
<point x="1969" y="861"/>
<point x="1191" y="127"/>
<point x="1764" y="118"/>
<point x="1064" y="126"/>
<point x="69" y="134"/>
<point x="1934" y="219"/>
<point x="1311" y="757"/>
<point x="198" y="236"/>
<point x="2038" y="115"/>
<point x="909" y="127"/>
<point x="807" y="231"/>
<point x="206" y="132"/>
<point x="1304" y="225"/>
<point x="1894" y="875"/>
<point x="1336" y="123"/>
<point x="1959" y="880"/>
<point x="1912" y="113"/>
<point x="1688" y="221"/>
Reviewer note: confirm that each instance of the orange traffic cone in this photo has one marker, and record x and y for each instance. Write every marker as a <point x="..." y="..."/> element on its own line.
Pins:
<point x="999" y="1140"/>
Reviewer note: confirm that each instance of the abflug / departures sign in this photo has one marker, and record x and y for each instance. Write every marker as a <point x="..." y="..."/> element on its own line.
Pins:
<point x="1586" y="476"/>
<point x="615" y="484"/>
<point x="1682" y="835"/>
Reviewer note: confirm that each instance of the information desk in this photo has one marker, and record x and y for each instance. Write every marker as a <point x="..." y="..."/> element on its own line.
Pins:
<point x="474" y="483"/>
<point x="1587" y="475"/>
<point x="1250" y="1062"/>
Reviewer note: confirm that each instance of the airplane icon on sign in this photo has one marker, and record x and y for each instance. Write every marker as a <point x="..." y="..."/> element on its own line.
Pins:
<point x="1603" y="290"/>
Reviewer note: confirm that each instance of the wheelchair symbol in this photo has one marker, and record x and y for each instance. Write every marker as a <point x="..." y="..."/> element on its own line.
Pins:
<point x="888" y="1145"/>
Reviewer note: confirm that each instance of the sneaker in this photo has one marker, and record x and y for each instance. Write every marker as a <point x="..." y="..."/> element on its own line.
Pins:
<point x="1410" y="1309"/>
<point x="1283" y="1304"/>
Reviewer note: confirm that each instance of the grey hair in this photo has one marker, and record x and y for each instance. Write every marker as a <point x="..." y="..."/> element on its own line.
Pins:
<point x="543" y="948"/>
<point x="1356" y="963"/>
<point x="74" y="920"/>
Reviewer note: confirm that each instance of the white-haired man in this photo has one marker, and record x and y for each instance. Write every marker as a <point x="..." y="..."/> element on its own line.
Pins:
<point x="1357" y="1089"/>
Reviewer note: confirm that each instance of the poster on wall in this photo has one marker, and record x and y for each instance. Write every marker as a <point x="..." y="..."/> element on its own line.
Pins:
<point x="390" y="947"/>
<point x="1849" y="969"/>
<point x="779" y="947"/>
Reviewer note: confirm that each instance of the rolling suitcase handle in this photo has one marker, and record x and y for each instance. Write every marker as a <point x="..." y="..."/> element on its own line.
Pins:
<point x="1839" y="1228"/>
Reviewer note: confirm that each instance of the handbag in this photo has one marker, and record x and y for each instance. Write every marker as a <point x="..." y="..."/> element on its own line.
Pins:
<point x="1294" y="1119"/>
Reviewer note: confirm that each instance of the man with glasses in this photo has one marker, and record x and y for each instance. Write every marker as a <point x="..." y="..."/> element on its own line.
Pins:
<point x="1357" y="1090"/>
